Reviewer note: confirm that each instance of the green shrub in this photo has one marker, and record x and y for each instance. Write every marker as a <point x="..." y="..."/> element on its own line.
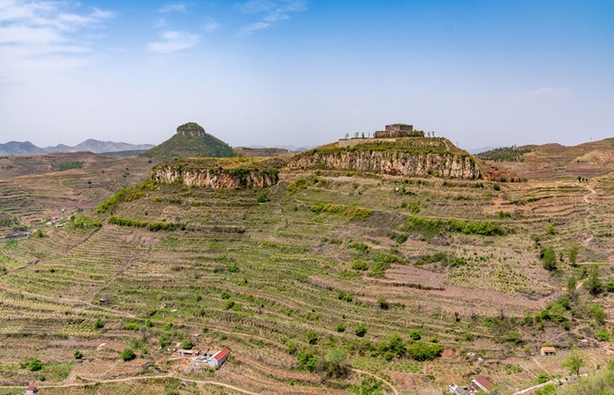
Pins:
<point x="229" y="304"/>
<point x="297" y="186"/>
<point x="362" y="265"/>
<point x="70" y="165"/>
<point x="83" y="222"/>
<point x="421" y="351"/>
<point x="127" y="355"/>
<point x="340" y="327"/>
<point x="132" y="326"/>
<point x="360" y="330"/>
<point x="348" y="297"/>
<point x="98" y="324"/>
<point x="312" y="337"/>
<point x="414" y="334"/>
<point x="351" y="212"/>
<point x="225" y="295"/>
<point x="187" y="344"/>
<point x="603" y="336"/>
<point x="307" y="361"/>
<point x="393" y="344"/>
<point x="291" y="347"/>
<point x="78" y="354"/>
<point x="263" y="198"/>
<point x="33" y="365"/>
<point x="543" y="378"/>
<point x="127" y="222"/>
<point x="124" y="195"/>
<point x="362" y="247"/>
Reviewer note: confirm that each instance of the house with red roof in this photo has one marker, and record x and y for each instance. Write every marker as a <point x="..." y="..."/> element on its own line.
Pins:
<point x="218" y="358"/>
<point x="30" y="390"/>
<point x="481" y="383"/>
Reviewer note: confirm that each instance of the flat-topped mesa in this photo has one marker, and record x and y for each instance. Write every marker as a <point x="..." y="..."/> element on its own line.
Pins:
<point x="191" y="129"/>
<point x="398" y="130"/>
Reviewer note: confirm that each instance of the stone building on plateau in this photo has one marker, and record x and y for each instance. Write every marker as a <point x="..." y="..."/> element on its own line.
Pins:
<point x="398" y="130"/>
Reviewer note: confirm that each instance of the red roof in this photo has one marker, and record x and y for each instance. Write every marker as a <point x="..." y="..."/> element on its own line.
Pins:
<point x="483" y="381"/>
<point x="31" y="388"/>
<point x="221" y="354"/>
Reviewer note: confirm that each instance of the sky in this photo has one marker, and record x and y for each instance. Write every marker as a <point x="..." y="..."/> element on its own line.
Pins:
<point x="306" y="72"/>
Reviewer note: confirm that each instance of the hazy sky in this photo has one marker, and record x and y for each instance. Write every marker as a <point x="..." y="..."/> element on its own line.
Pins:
<point x="300" y="72"/>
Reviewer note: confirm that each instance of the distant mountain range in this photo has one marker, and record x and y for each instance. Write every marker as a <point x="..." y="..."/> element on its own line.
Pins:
<point x="17" y="148"/>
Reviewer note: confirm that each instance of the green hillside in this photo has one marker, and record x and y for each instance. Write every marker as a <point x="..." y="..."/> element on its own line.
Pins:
<point x="188" y="146"/>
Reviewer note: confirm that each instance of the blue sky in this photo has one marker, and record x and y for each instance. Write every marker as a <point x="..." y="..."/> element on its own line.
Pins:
<point x="300" y="72"/>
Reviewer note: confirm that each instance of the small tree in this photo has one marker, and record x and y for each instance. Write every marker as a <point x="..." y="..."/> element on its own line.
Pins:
<point x="574" y="362"/>
<point x="573" y="255"/>
<point x="78" y="354"/>
<point x="98" y="324"/>
<point x="188" y="345"/>
<point x="128" y="354"/>
<point x="382" y="302"/>
<point x="571" y="289"/>
<point x="549" y="258"/>
<point x="592" y="283"/>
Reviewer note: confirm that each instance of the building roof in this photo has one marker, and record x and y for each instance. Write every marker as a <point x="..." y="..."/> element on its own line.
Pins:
<point x="483" y="381"/>
<point x="221" y="354"/>
<point x="550" y="349"/>
<point x="31" y="388"/>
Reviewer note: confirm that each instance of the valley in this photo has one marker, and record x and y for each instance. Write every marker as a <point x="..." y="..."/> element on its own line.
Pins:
<point x="324" y="281"/>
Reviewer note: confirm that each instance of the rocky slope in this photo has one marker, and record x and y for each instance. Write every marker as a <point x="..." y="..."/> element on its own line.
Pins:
<point x="402" y="157"/>
<point x="214" y="177"/>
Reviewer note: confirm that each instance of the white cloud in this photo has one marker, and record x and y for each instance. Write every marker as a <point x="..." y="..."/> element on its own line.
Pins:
<point x="161" y="23"/>
<point x="211" y="25"/>
<point x="176" y="7"/>
<point x="173" y="41"/>
<point x="43" y="35"/>
<point x="274" y="11"/>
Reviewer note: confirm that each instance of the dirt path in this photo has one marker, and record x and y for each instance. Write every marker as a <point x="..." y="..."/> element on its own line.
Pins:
<point x="394" y="390"/>
<point x="138" y="378"/>
<point x="567" y="379"/>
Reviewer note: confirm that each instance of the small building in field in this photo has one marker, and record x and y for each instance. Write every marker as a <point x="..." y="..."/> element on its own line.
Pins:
<point x="187" y="353"/>
<point x="456" y="390"/>
<point x="548" y="351"/>
<point x="30" y="390"/>
<point x="218" y="358"/>
<point x="481" y="383"/>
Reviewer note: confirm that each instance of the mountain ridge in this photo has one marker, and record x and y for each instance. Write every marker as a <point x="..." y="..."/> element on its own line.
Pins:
<point x="22" y="148"/>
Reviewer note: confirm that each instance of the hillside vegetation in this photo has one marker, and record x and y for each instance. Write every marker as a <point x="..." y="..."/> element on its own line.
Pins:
<point x="188" y="146"/>
<point x="327" y="282"/>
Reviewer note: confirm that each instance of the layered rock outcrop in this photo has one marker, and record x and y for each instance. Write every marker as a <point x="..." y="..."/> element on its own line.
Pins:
<point x="216" y="178"/>
<point x="396" y="163"/>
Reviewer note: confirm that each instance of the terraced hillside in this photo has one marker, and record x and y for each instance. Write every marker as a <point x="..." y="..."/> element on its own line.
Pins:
<point x="307" y="282"/>
<point x="552" y="161"/>
<point x="35" y="190"/>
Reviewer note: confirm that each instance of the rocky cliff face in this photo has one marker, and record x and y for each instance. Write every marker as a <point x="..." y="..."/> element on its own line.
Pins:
<point x="391" y="162"/>
<point x="215" y="178"/>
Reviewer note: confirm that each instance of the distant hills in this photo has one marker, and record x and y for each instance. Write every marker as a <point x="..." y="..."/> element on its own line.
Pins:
<point x="550" y="161"/>
<point x="190" y="141"/>
<point x="17" y="148"/>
